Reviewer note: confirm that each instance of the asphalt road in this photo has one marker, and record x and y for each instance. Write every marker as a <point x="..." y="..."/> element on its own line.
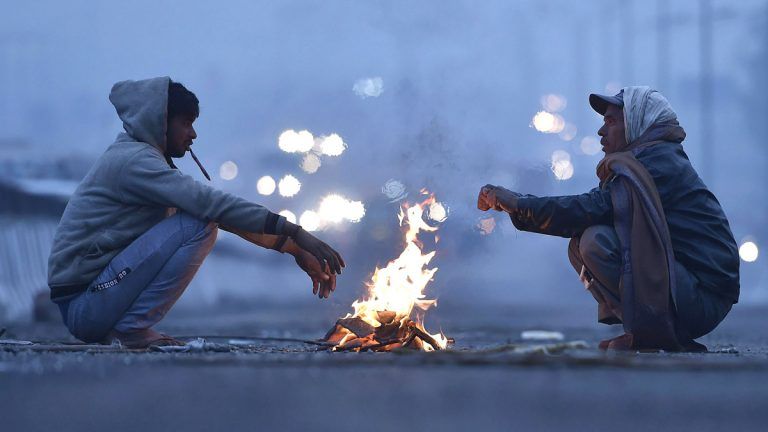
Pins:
<point x="491" y="380"/>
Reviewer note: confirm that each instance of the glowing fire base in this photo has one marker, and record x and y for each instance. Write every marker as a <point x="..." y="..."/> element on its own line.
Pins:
<point x="382" y="322"/>
<point x="354" y="334"/>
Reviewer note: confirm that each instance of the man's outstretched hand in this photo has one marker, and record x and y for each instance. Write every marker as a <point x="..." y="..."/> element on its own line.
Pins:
<point x="323" y="281"/>
<point x="497" y="198"/>
<point x="326" y="256"/>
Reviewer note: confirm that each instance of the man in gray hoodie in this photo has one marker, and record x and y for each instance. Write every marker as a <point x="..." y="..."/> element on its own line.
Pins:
<point x="136" y="229"/>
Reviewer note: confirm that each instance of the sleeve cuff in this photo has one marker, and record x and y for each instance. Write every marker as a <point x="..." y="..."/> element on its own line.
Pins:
<point x="274" y="224"/>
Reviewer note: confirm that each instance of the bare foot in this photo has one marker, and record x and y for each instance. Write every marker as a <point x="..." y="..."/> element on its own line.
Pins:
<point x="619" y="343"/>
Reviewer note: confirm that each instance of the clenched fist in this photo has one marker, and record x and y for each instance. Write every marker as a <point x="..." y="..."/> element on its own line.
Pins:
<point x="497" y="198"/>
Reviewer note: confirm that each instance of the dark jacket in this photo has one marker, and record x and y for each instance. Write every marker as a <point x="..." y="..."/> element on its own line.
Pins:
<point x="701" y="236"/>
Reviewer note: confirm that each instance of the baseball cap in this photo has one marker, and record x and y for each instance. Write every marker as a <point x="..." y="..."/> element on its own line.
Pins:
<point x="600" y="103"/>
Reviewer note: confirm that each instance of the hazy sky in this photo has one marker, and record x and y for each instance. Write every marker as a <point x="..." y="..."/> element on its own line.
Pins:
<point x="462" y="81"/>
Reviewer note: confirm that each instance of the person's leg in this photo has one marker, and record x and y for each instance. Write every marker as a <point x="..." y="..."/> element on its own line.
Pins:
<point x="161" y="263"/>
<point x="698" y="311"/>
<point x="157" y="299"/>
<point x="596" y="256"/>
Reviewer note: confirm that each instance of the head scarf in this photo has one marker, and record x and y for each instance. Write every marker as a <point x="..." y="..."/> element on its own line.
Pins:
<point x="649" y="117"/>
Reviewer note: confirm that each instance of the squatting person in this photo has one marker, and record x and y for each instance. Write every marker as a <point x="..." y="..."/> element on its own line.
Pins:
<point x="651" y="243"/>
<point x="136" y="230"/>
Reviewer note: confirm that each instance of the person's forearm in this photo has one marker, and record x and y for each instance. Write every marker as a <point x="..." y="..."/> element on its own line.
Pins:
<point x="290" y="229"/>
<point x="267" y="241"/>
<point x="290" y="247"/>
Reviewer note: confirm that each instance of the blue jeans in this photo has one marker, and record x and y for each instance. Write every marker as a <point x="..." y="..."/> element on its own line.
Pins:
<point x="142" y="283"/>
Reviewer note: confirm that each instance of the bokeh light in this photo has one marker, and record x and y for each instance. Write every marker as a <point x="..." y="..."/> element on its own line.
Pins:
<point x="332" y="145"/>
<point x="547" y="122"/>
<point x="289" y="215"/>
<point x="438" y="212"/>
<point x="291" y="141"/>
<point x="310" y="220"/>
<point x="289" y="186"/>
<point x="748" y="251"/>
<point x="266" y="185"/>
<point x="559" y="125"/>
<point x="335" y="208"/>
<point x="394" y="190"/>
<point x="561" y="165"/>
<point x="612" y="88"/>
<point x="560" y="155"/>
<point x="569" y="132"/>
<point x="563" y="170"/>
<point x="590" y="145"/>
<point x="543" y="121"/>
<point x="228" y="170"/>
<point x="486" y="225"/>
<point x="311" y="163"/>
<point x="355" y="211"/>
<point x="554" y="102"/>
<point x="332" y="208"/>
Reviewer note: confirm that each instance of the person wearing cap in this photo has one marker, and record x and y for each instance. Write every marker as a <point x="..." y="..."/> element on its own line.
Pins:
<point x="136" y="230"/>
<point x="651" y="243"/>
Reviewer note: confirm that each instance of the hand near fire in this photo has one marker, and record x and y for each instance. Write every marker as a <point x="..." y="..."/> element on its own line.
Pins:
<point x="323" y="279"/>
<point x="326" y="256"/>
<point x="497" y="198"/>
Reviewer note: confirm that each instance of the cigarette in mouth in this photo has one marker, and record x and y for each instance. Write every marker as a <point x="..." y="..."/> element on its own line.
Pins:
<point x="197" y="161"/>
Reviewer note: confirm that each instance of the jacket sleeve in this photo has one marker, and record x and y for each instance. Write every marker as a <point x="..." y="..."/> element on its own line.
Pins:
<point x="147" y="180"/>
<point x="563" y="216"/>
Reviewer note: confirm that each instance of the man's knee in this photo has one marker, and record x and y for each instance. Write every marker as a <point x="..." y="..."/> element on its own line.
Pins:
<point x="574" y="256"/>
<point x="196" y="228"/>
<point x="211" y="232"/>
<point x="599" y="246"/>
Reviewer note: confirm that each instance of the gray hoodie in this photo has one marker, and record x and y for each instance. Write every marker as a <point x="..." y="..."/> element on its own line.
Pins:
<point x="129" y="190"/>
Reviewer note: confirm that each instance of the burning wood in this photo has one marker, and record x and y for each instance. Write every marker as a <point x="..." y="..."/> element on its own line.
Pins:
<point x="383" y="322"/>
<point x="386" y="337"/>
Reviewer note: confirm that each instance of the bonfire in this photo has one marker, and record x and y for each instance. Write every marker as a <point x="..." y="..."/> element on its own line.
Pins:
<point x="392" y="314"/>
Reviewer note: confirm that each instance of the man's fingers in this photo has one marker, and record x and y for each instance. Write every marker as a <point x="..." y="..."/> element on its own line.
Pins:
<point x="320" y="259"/>
<point x="338" y="256"/>
<point x="482" y="204"/>
<point x="321" y="273"/>
<point x="330" y="283"/>
<point x="315" y="285"/>
<point x="323" y="258"/>
<point x="333" y="260"/>
<point x="491" y="200"/>
<point x="325" y="290"/>
<point x="337" y="259"/>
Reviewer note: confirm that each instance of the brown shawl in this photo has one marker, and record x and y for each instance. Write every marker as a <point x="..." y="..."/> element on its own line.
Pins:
<point x="647" y="276"/>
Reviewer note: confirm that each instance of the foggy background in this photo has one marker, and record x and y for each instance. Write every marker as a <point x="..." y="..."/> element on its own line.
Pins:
<point x="461" y="82"/>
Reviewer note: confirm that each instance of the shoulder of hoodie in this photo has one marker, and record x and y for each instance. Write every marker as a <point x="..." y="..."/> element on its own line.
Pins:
<point x="125" y="149"/>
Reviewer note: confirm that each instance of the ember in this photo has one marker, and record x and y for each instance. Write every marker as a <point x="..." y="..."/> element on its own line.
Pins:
<point x="392" y="315"/>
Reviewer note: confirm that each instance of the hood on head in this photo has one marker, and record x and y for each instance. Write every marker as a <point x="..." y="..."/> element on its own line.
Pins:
<point x="644" y="109"/>
<point x="143" y="107"/>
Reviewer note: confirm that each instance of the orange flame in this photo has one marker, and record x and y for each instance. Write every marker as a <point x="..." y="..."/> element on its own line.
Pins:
<point x="399" y="287"/>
